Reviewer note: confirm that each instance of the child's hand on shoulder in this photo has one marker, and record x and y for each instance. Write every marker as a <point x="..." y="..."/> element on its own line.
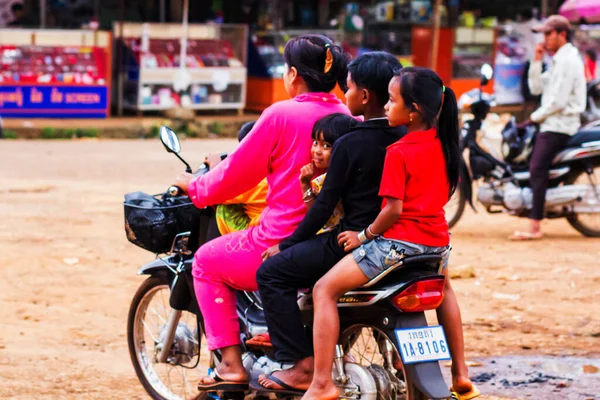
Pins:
<point x="306" y="173"/>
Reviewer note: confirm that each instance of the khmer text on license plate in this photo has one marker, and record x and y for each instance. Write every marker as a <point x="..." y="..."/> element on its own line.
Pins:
<point x="423" y="344"/>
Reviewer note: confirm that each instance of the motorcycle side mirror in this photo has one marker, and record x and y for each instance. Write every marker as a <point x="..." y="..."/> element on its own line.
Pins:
<point x="171" y="142"/>
<point x="487" y="72"/>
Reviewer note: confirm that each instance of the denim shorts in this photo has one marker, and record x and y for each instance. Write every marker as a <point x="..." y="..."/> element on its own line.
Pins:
<point x="380" y="254"/>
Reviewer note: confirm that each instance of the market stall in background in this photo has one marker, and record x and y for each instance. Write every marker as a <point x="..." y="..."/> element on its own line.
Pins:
<point x="472" y="48"/>
<point x="151" y="77"/>
<point x="403" y="27"/>
<point x="266" y="65"/>
<point x="55" y="73"/>
<point x="233" y="49"/>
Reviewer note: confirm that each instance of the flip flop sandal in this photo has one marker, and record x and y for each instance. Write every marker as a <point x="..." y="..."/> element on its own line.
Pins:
<point x="287" y="389"/>
<point x="221" y="384"/>
<point x="523" y="236"/>
<point x="473" y="393"/>
<point x="263" y="340"/>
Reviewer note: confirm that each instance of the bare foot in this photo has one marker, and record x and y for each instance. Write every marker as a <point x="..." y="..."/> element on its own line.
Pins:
<point x="325" y="391"/>
<point x="227" y="374"/>
<point x="461" y="383"/>
<point x="298" y="377"/>
<point x="533" y="233"/>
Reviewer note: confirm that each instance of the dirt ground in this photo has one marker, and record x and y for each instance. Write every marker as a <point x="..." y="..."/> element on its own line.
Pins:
<point x="67" y="272"/>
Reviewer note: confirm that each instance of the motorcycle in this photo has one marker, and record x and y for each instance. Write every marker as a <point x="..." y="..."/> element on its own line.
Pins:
<point x="591" y="115"/>
<point x="386" y="350"/>
<point x="504" y="184"/>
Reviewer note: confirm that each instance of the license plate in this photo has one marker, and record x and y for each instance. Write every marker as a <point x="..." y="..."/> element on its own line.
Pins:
<point x="423" y="344"/>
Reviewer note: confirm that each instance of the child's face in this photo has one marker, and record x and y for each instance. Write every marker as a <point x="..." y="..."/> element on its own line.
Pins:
<point x="395" y="110"/>
<point x="355" y="97"/>
<point x="321" y="152"/>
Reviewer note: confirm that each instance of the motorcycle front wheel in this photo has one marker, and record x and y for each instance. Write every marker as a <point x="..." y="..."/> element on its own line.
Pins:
<point x="188" y="360"/>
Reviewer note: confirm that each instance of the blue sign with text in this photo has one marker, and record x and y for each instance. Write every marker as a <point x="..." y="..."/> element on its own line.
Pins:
<point x="51" y="101"/>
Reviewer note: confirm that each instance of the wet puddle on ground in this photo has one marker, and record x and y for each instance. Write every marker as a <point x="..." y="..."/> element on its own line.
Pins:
<point x="537" y="377"/>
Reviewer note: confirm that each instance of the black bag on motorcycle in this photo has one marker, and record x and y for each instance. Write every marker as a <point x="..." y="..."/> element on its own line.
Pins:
<point x="517" y="142"/>
<point x="152" y="222"/>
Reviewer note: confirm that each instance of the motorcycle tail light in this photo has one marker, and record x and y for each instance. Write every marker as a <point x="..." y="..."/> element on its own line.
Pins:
<point x="421" y="296"/>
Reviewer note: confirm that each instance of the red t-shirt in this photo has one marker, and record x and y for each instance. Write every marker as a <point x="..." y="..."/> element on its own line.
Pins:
<point x="415" y="172"/>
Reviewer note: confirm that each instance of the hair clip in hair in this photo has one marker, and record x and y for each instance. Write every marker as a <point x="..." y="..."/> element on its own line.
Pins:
<point x="328" y="59"/>
<point x="443" y="89"/>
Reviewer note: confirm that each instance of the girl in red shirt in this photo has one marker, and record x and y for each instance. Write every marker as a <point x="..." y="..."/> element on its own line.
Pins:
<point x="420" y="174"/>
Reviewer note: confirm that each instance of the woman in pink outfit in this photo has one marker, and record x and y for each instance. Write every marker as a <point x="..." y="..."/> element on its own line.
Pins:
<point x="276" y="148"/>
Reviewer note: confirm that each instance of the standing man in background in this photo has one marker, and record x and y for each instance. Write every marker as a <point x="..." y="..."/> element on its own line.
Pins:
<point x="563" y="90"/>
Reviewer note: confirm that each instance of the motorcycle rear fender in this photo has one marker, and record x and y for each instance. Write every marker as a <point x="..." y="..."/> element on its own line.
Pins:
<point x="426" y="376"/>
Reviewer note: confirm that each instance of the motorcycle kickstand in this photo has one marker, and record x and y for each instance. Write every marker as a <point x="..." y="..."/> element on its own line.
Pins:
<point x="171" y="330"/>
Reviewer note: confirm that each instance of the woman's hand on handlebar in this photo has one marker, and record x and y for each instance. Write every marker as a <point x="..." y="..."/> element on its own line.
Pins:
<point x="212" y="160"/>
<point x="183" y="181"/>
<point x="270" y="252"/>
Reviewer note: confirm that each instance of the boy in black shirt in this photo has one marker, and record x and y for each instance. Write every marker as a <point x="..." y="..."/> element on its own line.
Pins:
<point x="353" y="177"/>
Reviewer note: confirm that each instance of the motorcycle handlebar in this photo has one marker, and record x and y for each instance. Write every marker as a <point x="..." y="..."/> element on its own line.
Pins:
<point x="204" y="168"/>
<point x="175" y="191"/>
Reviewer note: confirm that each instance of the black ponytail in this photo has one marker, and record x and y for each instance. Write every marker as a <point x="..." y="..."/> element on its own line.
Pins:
<point x="438" y="108"/>
<point x="449" y="136"/>
<point x="308" y="54"/>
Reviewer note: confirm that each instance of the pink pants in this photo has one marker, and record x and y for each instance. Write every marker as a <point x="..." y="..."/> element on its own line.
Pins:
<point x="221" y="267"/>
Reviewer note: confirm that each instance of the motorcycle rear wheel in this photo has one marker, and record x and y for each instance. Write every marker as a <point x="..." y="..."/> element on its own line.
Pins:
<point x="163" y="381"/>
<point x="586" y="224"/>
<point x="363" y="343"/>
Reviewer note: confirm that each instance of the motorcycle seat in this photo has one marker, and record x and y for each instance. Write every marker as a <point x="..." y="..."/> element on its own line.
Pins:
<point x="421" y="262"/>
<point x="585" y="135"/>
<point x="409" y="268"/>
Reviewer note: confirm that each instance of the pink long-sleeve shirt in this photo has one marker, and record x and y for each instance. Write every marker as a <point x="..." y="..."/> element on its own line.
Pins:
<point x="276" y="148"/>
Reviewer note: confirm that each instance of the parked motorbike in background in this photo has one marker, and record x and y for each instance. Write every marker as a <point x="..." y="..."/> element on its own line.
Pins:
<point x="386" y="350"/>
<point x="591" y="115"/>
<point x="503" y="181"/>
